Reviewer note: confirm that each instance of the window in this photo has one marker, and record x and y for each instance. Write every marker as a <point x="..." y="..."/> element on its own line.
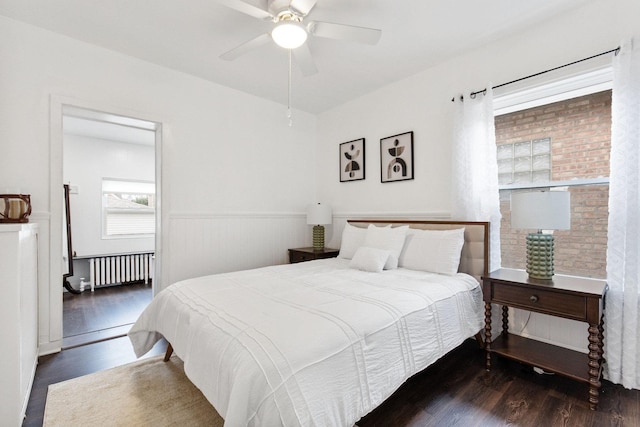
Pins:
<point x="524" y="162"/>
<point x="128" y="209"/>
<point x="565" y="143"/>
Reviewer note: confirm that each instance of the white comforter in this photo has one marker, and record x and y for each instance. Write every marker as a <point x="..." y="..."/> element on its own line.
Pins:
<point x="308" y="344"/>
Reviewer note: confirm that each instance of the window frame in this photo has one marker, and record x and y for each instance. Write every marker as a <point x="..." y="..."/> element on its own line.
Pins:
<point x="138" y="187"/>
<point x="540" y="93"/>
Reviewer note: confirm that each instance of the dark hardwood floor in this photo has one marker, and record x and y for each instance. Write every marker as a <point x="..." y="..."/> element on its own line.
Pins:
<point x="455" y="391"/>
<point x="458" y="391"/>
<point x="105" y="313"/>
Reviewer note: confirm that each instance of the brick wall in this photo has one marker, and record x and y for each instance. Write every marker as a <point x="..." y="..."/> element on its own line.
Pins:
<point x="580" y="132"/>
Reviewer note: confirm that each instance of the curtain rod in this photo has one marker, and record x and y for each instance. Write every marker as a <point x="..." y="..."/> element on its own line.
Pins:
<point x="473" y="94"/>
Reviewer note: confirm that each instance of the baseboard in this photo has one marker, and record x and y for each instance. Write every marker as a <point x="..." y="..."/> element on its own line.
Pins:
<point x="49" y="348"/>
<point x="25" y="402"/>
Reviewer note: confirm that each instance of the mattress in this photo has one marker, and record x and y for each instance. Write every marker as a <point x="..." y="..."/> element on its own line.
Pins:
<point x="308" y="344"/>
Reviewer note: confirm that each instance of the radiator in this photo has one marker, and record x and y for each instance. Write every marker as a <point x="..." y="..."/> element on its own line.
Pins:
<point x="119" y="269"/>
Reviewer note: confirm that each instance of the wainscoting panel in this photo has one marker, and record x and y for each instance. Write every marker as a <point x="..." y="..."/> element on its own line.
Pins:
<point x="550" y="329"/>
<point x="333" y="232"/>
<point x="201" y="244"/>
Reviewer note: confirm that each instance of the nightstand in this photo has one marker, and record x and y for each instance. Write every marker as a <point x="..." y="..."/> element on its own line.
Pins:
<point x="309" y="254"/>
<point x="568" y="297"/>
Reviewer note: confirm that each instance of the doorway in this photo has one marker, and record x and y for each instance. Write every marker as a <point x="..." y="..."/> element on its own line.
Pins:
<point x="109" y="167"/>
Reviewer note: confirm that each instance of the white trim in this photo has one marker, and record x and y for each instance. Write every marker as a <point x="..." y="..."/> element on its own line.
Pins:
<point x="285" y="215"/>
<point x="129" y="211"/>
<point x="51" y="299"/>
<point x="425" y="216"/>
<point x="158" y="263"/>
<point x="50" y="347"/>
<point x="231" y="215"/>
<point x="560" y="89"/>
<point x="100" y="116"/>
<point x="566" y="183"/>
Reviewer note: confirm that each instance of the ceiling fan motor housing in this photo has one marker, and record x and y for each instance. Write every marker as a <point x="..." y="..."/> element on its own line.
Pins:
<point x="281" y="7"/>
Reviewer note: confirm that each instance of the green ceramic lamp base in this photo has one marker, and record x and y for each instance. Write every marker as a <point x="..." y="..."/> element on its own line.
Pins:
<point x="318" y="237"/>
<point x="540" y="256"/>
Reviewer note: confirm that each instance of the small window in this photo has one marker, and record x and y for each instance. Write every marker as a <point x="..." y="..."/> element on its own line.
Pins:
<point x="128" y="208"/>
<point x="524" y="162"/>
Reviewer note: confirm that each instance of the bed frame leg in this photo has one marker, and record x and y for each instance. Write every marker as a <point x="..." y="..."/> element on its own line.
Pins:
<point x="168" y="354"/>
<point x="479" y="340"/>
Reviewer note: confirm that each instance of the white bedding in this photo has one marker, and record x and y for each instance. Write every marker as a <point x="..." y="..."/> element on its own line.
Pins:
<point x="309" y="344"/>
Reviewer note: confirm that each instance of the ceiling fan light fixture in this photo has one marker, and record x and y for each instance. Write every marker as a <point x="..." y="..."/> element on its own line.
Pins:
<point x="289" y="34"/>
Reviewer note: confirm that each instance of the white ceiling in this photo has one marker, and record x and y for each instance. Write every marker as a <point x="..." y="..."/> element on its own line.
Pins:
<point x="190" y="35"/>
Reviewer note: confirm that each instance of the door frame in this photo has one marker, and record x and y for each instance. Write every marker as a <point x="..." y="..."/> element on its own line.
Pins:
<point x="50" y="296"/>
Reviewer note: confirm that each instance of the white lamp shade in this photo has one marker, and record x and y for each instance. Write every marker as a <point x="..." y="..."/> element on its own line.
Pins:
<point x="541" y="210"/>
<point x="318" y="214"/>
<point x="289" y="34"/>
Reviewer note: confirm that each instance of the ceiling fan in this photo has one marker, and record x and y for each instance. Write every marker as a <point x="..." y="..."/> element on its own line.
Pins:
<point x="290" y="31"/>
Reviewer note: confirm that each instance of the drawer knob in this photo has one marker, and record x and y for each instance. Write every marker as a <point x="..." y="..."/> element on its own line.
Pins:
<point x="533" y="298"/>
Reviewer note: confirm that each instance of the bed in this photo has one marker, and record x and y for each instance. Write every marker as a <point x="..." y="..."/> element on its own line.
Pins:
<point x="323" y="342"/>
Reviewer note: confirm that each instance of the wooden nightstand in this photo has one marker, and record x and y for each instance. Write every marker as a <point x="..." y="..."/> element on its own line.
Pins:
<point x="569" y="297"/>
<point x="308" y="254"/>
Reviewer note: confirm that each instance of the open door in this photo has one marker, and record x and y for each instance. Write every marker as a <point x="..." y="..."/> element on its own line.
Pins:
<point x="68" y="240"/>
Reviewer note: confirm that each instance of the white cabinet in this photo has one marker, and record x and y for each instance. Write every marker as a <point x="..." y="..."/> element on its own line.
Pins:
<point x="18" y="319"/>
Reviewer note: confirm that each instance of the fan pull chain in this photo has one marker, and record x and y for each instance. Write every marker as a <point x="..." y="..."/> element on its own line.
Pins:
<point x="289" y="115"/>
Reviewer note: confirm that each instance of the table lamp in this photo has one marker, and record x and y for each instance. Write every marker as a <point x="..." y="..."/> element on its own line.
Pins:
<point x="541" y="210"/>
<point x="318" y="215"/>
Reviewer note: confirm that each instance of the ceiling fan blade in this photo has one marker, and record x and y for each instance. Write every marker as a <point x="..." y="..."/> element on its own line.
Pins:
<point x="302" y="6"/>
<point x="246" y="47"/>
<point x="344" y="32"/>
<point x="305" y="60"/>
<point x="247" y="9"/>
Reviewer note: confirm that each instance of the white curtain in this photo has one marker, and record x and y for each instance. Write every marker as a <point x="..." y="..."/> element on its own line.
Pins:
<point x="475" y="195"/>
<point x="622" y="332"/>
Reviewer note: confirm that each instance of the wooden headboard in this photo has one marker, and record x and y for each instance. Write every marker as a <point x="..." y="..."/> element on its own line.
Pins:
<point x="474" y="259"/>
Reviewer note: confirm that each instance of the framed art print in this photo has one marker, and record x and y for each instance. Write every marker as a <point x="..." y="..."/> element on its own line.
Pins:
<point x="352" y="160"/>
<point x="396" y="157"/>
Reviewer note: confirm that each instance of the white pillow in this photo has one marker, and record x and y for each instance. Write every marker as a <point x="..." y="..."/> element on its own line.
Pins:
<point x="369" y="259"/>
<point x="435" y="251"/>
<point x="352" y="239"/>
<point x="387" y="238"/>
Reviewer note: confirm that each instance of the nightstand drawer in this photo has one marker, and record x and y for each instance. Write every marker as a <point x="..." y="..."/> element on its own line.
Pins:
<point x="309" y="254"/>
<point x="542" y="301"/>
<point x="295" y="256"/>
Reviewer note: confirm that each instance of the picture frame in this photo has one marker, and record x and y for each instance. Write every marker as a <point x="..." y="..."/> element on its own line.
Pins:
<point x="352" y="165"/>
<point x="396" y="157"/>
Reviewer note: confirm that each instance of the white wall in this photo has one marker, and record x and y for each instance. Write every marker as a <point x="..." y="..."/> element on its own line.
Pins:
<point x="422" y="103"/>
<point x="86" y="162"/>
<point x="229" y="160"/>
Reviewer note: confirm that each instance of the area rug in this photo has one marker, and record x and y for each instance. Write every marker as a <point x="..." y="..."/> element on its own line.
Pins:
<point x="148" y="392"/>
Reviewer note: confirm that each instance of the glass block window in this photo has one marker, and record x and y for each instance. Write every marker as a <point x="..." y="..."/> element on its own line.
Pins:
<point x="524" y="162"/>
